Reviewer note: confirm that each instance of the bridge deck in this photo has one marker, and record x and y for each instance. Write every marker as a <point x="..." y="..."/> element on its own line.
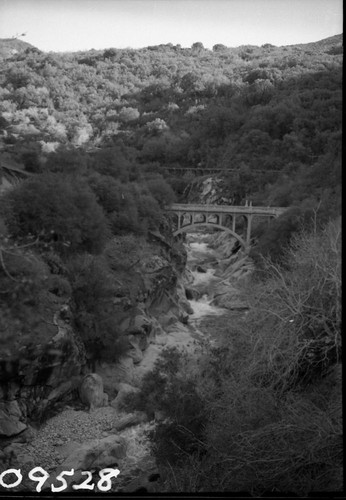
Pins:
<point x="228" y="209"/>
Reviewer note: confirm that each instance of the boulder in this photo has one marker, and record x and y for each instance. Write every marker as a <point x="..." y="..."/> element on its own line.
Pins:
<point x="25" y="436"/>
<point x="123" y="391"/>
<point x="141" y="323"/>
<point x="139" y="341"/>
<point x="10" y="419"/>
<point x="112" y="373"/>
<point x="99" y="453"/>
<point x="91" y="391"/>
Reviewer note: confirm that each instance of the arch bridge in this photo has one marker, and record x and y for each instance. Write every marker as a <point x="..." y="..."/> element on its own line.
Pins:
<point x="223" y="217"/>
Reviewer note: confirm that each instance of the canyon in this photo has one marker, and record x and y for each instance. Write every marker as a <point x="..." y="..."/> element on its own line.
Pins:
<point x="204" y="286"/>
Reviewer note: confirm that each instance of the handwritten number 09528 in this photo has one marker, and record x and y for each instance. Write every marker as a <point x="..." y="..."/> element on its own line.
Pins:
<point x="39" y="475"/>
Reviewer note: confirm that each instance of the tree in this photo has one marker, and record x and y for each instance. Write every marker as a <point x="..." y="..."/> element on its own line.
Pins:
<point x="128" y="114"/>
<point x="111" y="161"/>
<point x="93" y="308"/>
<point x="61" y="212"/>
<point x="197" y="46"/>
<point x="67" y="161"/>
<point x="219" y="47"/>
<point x="161" y="191"/>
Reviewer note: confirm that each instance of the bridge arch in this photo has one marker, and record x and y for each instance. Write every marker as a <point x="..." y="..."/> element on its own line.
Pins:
<point x="190" y="214"/>
<point x="213" y="225"/>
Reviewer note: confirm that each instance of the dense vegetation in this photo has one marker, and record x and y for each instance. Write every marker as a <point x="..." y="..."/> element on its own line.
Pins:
<point x="262" y="412"/>
<point x="270" y="115"/>
<point x="99" y="134"/>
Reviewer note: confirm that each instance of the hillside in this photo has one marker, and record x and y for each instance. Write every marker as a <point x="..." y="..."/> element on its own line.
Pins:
<point x="270" y="115"/>
<point x="11" y="46"/>
<point x="93" y="146"/>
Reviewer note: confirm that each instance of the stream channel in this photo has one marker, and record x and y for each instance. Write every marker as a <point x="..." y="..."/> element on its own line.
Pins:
<point x="209" y="285"/>
<point x="200" y="278"/>
<point x="207" y="277"/>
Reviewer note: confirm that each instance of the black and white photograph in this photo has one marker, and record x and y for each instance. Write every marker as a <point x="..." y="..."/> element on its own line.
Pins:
<point x="170" y="248"/>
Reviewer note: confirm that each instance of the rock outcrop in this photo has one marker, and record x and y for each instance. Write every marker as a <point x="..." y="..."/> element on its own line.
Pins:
<point x="39" y="376"/>
<point x="91" y="391"/>
<point x="10" y="419"/>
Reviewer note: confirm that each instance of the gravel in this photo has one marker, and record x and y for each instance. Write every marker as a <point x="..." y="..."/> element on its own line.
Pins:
<point x="69" y="425"/>
<point x="76" y="427"/>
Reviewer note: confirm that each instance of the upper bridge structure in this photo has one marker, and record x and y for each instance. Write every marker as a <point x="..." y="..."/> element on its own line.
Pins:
<point x="224" y="217"/>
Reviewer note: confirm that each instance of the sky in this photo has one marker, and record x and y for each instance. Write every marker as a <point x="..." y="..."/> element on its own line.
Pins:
<point x="72" y="25"/>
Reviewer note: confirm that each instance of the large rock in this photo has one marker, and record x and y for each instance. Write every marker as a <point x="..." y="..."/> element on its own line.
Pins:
<point x="91" y="391"/>
<point x="123" y="391"/>
<point x="11" y="417"/>
<point x="139" y="341"/>
<point x="39" y="375"/>
<point x="99" y="453"/>
<point x="112" y="373"/>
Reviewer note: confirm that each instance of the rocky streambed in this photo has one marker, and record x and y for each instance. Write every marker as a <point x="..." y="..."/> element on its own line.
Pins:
<point x="108" y="437"/>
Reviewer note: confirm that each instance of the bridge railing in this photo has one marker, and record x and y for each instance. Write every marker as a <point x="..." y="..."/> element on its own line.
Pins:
<point x="179" y="207"/>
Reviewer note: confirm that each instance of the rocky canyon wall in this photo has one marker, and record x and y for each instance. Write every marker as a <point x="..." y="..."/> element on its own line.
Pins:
<point x="40" y="374"/>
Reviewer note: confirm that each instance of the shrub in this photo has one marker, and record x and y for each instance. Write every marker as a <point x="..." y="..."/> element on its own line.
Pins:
<point x="125" y="221"/>
<point x="68" y="161"/>
<point x="299" y="310"/>
<point x="93" y="308"/>
<point x="23" y="289"/>
<point x="111" y="162"/>
<point x="123" y="252"/>
<point x="273" y="420"/>
<point x="61" y="212"/>
<point x="149" y="211"/>
<point x="161" y="191"/>
<point x="274" y="239"/>
<point x="128" y="114"/>
<point x="109" y="191"/>
<point x="170" y="388"/>
<point x="59" y="286"/>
